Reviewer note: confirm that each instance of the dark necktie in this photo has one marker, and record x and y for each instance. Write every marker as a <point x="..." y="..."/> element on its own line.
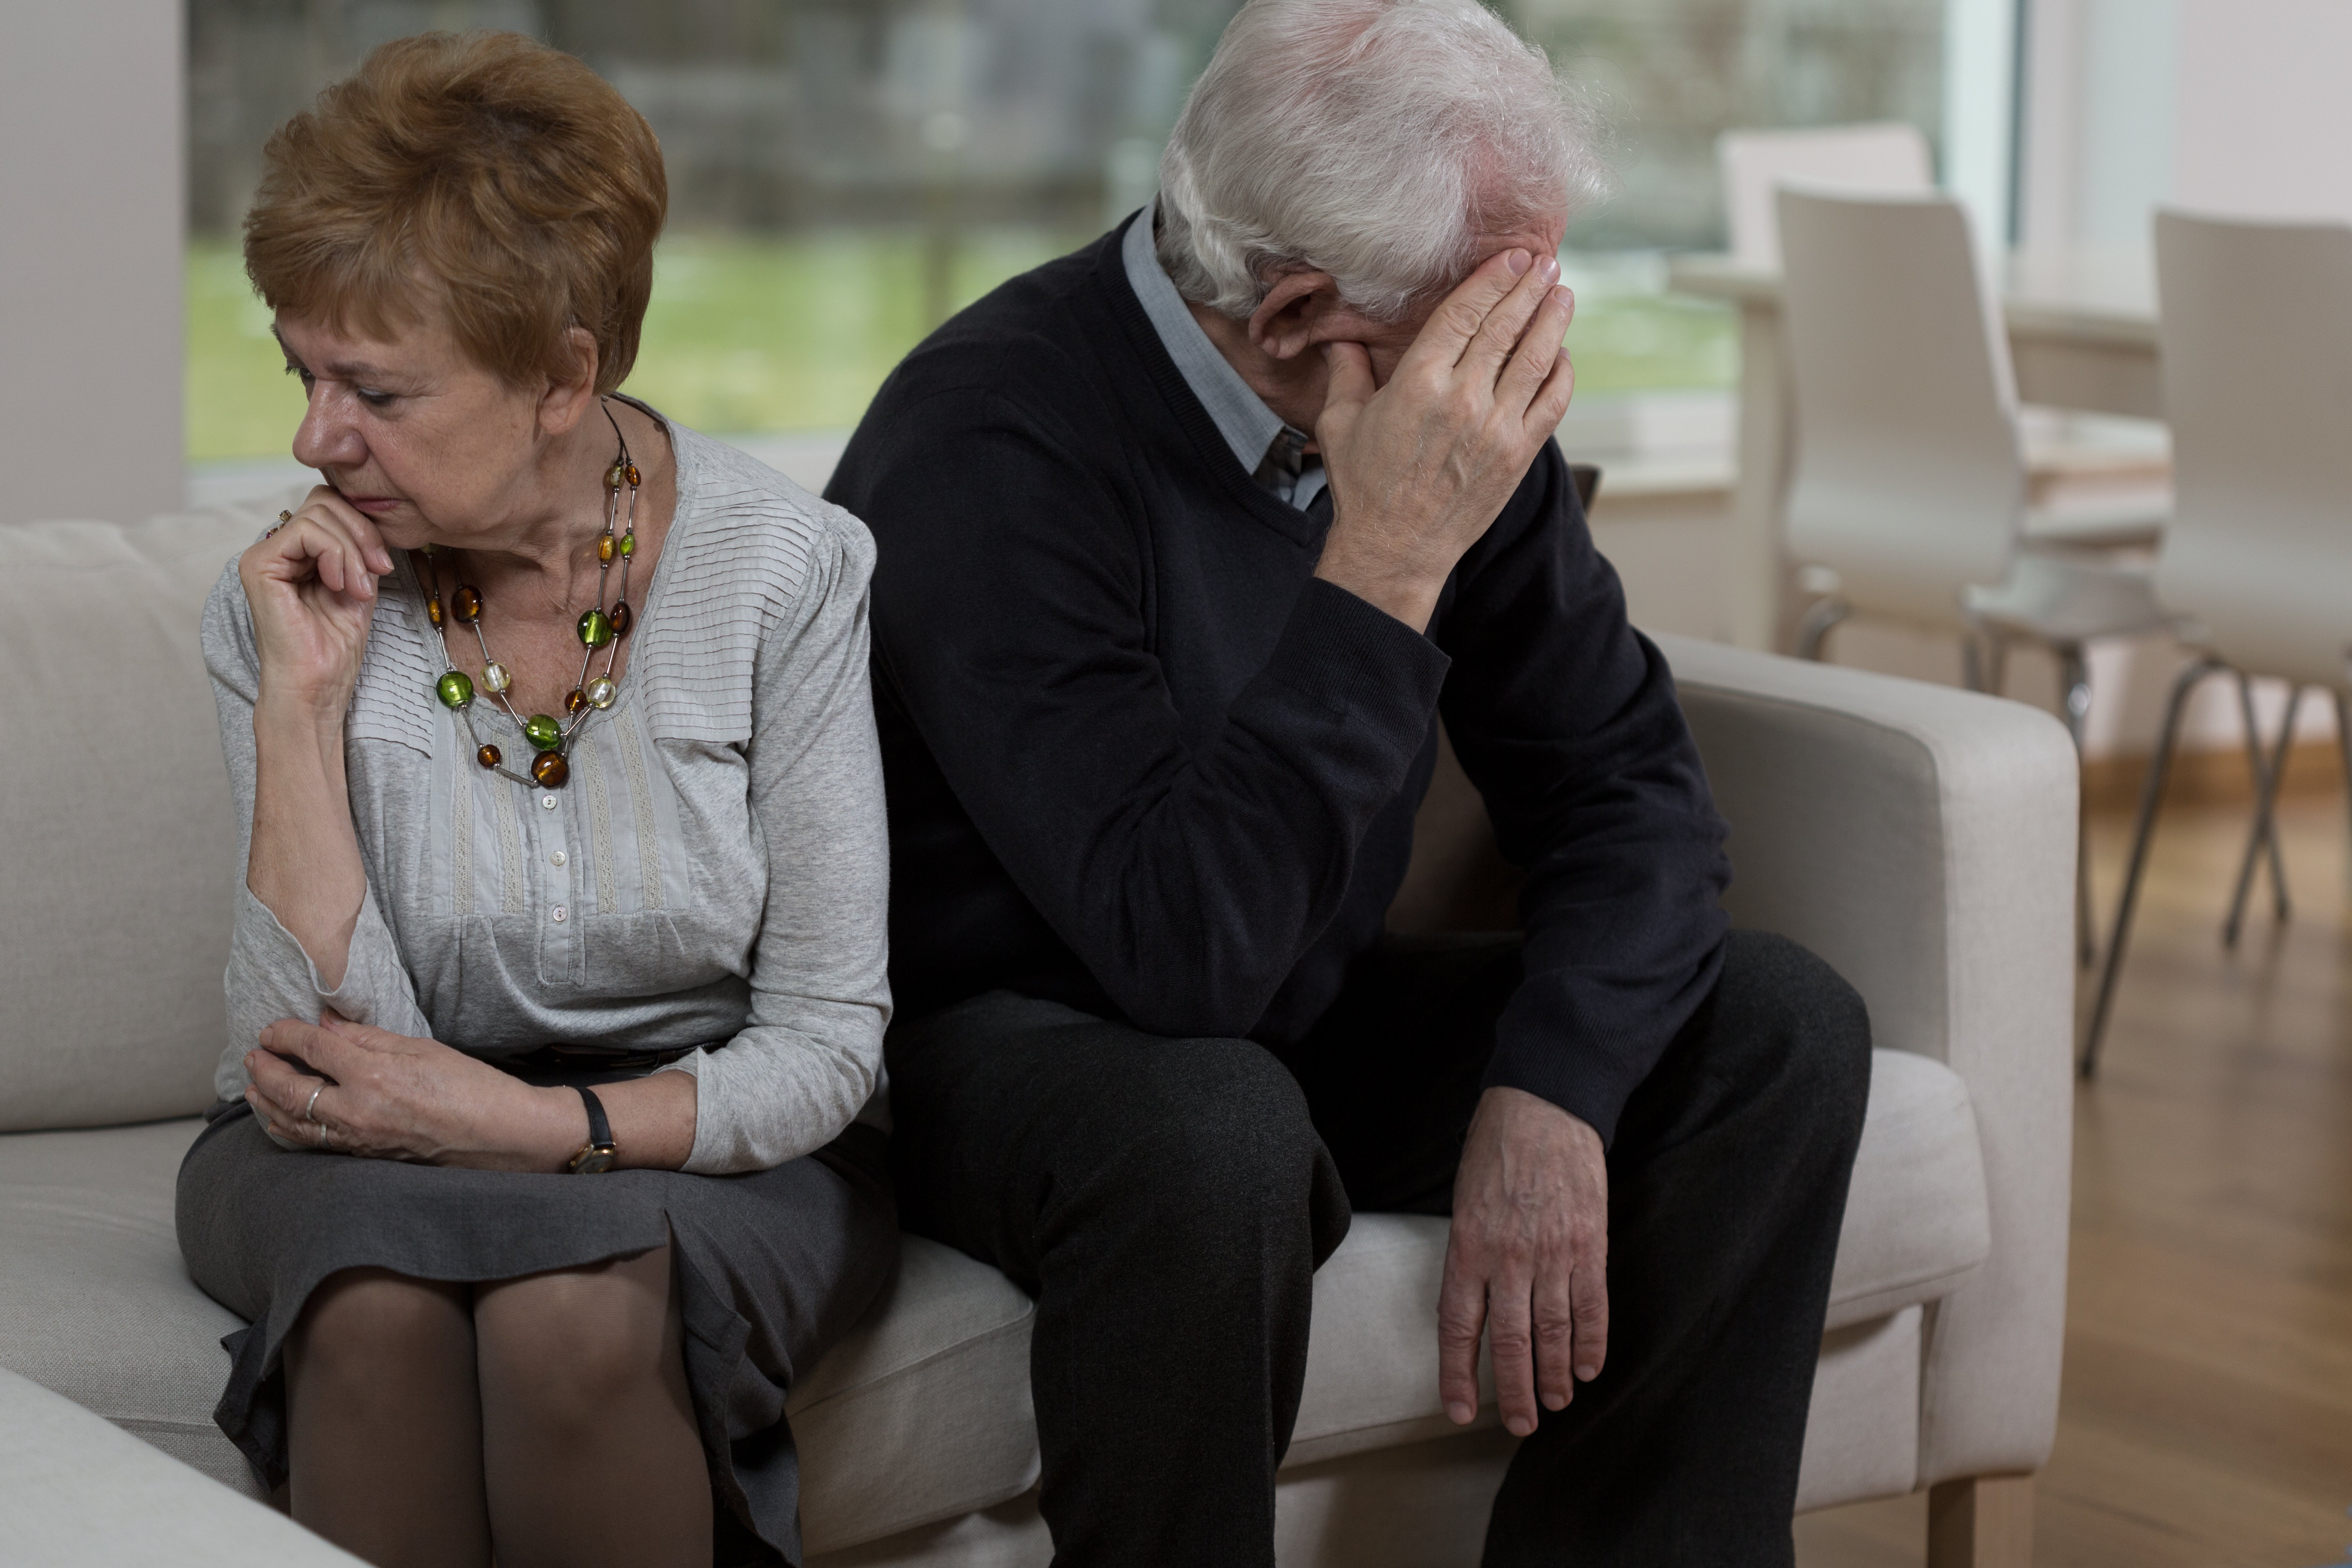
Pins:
<point x="1279" y="470"/>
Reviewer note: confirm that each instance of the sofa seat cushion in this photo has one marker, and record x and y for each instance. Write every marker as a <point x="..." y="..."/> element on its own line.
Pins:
<point x="96" y="1304"/>
<point x="922" y="1412"/>
<point x="1918" y="1220"/>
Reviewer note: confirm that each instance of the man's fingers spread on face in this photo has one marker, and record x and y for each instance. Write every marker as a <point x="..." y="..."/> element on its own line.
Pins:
<point x="1457" y="320"/>
<point x="1351" y="374"/>
<point x="1549" y="404"/>
<point x="1512" y="320"/>
<point x="1539" y="348"/>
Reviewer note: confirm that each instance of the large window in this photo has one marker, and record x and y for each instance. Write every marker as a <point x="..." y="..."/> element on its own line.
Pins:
<point x="845" y="173"/>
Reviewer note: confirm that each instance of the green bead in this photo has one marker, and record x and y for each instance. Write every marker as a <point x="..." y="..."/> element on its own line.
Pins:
<point x="629" y="542"/>
<point x="455" y="688"/>
<point x="542" y="731"/>
<point x="595" y="627"/>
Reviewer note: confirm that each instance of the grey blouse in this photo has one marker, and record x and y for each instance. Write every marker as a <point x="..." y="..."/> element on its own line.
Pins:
<point x="716" y="874"/>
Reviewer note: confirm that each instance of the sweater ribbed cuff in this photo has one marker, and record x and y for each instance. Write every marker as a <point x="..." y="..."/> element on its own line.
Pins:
<point x="1353" y="658"/>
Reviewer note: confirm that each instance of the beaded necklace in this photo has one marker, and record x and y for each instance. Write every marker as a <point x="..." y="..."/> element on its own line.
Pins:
<point x="598" y="628"/>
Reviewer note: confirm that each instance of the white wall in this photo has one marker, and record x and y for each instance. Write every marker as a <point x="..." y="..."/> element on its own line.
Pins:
<point x="2264" y="123"/>
<point x="92" y="212"/>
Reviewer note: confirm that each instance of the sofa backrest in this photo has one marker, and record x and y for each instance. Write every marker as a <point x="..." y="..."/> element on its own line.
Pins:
<point x="116" y="872"/>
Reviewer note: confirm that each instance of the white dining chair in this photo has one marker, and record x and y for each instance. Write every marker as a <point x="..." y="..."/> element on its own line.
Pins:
<point x="2256" y="334"/>
<point x="1908" y="488"/>
<point x="1887" y="158"/>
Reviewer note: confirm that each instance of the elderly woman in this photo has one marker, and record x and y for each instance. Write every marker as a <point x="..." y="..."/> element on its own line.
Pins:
<point x="549" y="1150"/>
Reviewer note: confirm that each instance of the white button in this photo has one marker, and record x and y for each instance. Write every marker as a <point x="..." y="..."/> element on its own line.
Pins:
<point x="547" y="803"/>
<point x="556" y="858"/>
<point x="558" y="912"/>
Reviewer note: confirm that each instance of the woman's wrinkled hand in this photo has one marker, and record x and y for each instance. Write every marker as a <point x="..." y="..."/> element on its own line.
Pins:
<point x="312" y="586"/>
<point x="353" y="1089"/>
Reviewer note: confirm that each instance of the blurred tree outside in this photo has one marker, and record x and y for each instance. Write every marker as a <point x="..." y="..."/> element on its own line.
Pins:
<point x="845" y="173"/>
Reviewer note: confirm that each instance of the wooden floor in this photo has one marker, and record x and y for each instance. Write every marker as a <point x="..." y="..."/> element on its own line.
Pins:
<point x="2206" y="1413"/>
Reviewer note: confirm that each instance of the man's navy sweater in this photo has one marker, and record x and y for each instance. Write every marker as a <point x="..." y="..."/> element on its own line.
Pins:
<point x="1140" y="760"/>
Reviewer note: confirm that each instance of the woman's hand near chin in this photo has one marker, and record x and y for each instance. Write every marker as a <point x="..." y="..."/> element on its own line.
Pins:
<point x="311" y="587"/>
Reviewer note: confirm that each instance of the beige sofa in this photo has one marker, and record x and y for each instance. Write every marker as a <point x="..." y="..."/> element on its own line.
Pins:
<point x="1919" y="838"/>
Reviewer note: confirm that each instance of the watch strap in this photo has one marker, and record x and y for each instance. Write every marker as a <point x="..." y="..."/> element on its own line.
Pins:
<point x="600" y="1131"/>
<point x="600" y="1152"/>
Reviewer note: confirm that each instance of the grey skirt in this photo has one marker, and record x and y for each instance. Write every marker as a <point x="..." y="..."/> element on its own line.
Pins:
<point x="772" y="1267"/>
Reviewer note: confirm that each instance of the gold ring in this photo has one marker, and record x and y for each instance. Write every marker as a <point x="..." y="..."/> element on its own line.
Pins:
<point x="283" y="519"/>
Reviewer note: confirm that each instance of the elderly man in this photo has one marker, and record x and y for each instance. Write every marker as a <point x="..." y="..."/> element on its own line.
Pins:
<point x="1187" y="542"/>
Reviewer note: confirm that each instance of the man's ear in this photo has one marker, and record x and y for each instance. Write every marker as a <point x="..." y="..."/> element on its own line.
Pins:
<point x="566" y="401"/>
<point x="1285" y="324"/>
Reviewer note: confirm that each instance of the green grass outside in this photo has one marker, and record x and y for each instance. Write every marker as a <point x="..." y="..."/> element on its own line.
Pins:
<point x="769" y="333"/>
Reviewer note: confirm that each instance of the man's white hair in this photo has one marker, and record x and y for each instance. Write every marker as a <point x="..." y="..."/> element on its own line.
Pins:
<point x="1374" y="140"/>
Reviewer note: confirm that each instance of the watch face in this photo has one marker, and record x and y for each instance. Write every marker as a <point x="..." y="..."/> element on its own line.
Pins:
<point x="591" y="1162"/>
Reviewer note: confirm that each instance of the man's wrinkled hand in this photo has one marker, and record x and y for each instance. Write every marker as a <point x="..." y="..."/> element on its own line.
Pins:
<point x="1421" y="468"/>
<point x="1528" y="1263"/>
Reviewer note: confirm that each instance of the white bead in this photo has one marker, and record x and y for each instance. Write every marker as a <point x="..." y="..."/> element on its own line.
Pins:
<point x="495" y="676"/>
<point x="602" y="691"/>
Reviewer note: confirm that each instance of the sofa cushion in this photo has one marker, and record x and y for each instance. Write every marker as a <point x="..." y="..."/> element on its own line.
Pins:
<point x="114" y="916"/>
<point x="74" y="1491"/>
<point x="922" y="1412"/>
<point x="1918" y="1221"/>
<point x="95" y="1302"/>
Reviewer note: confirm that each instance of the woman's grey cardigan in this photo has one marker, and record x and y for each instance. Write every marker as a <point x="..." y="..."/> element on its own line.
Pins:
<point x="716" y="874"/>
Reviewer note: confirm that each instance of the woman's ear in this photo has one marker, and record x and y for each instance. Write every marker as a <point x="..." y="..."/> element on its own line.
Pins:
<point x="1285" y="324"/>
<point x="567" y="400"/>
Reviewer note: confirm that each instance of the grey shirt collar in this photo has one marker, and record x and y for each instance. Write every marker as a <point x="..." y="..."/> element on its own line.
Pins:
<point x="1242" y="418"/>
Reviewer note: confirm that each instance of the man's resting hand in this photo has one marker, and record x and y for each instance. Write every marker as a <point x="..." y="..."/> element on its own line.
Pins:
<point x="1528" y="1260"/>
<point x="1419" y="469"/>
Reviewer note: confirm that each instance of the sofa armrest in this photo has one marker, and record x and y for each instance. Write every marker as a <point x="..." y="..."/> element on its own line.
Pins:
<point x="75" y="1488"/>
<point x="1922" y="840"/>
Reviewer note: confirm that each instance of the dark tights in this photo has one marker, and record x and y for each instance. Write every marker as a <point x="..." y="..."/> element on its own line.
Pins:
<point x="544" y="1418"/>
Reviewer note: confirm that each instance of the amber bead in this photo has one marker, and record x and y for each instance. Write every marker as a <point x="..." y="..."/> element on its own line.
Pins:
<point x="550" y="769"/>
<point x="604" y="548"/>
<point x="466" y="605"/>
<point x="543" y="732"/>
<point x="455" y="688"/>
<point x="433" y="609"/>
<point x="633" y="479"/>
<point x="575" y="702"/>
<point x="595" y="627"/>
<point x="623" y="618"/>
<point x="600" y="691"/>
<point x="489" y="757"/>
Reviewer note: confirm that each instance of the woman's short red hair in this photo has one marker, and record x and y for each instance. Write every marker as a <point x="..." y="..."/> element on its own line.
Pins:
<point x="485" y="173"/>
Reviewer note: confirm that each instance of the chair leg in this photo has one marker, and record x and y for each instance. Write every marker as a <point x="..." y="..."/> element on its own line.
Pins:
<point x="2151" y="796"/>
<point x="2074" y="693"/>
<point x="1811" y="631"/>
<point x="1985" y="1521"/>
<point x="2267" y="778"/>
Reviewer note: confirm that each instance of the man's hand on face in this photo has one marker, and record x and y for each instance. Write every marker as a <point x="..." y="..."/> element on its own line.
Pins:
<point x="1420" y="467"/>
<point x="1528" y="1261"/>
